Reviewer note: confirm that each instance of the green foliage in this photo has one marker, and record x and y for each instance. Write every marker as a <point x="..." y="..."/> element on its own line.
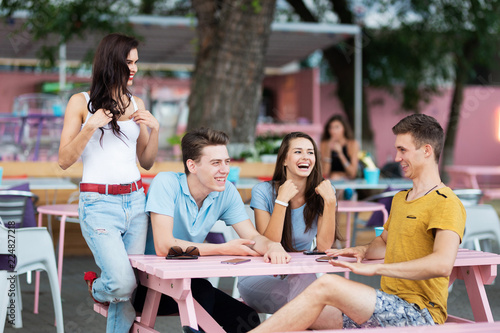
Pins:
<point x="427" y="42"/>
<point x="268" y="144"/>
<point x="257" y="6"/>
<point x="175" y="139"/>
<point x="67" y="20"/>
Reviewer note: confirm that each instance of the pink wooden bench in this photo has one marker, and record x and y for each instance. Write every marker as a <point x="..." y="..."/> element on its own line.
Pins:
<point x="448" y="327"/>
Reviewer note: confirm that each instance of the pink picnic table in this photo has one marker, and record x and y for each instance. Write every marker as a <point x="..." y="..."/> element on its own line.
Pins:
<point x="466" y="176"/>
<point x="348" y="207"/>
<point x="63" y="210"/>
<point x="173" y="278"/>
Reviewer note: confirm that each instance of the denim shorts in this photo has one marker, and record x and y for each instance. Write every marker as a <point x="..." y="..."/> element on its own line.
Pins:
<point x="390" y="310"/>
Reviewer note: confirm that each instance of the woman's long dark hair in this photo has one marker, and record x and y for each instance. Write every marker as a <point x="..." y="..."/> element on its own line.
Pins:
<point x="110" y="74"/>
<point x="348" y="134"/>
<point x="314" y="202"/>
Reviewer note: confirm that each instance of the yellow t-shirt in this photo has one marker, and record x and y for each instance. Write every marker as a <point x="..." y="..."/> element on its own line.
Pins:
<point x="411" y="235"/>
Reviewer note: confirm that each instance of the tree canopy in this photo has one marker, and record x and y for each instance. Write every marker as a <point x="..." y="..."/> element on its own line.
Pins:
<point x="429" y="42"/>
<point x="416" y="47"/>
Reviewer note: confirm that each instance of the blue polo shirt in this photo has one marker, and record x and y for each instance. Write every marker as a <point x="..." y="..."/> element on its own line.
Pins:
<point x="169" y="195"/>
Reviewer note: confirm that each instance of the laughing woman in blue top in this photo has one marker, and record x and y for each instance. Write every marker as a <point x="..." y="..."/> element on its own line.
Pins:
<point x="293" y="208"/>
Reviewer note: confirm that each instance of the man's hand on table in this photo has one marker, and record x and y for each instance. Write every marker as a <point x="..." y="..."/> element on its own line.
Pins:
<point x="277" y="255"/>
<point x="240" y="247"/>
<point x="357" y="252"/>
<point x="356" y="267"/>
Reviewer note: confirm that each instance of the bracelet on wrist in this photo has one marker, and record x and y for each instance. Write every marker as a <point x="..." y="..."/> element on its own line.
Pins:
<point x="282" y="203"/>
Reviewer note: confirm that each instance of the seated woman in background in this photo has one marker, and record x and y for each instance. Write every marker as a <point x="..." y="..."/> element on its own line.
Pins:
<point x="293" y="208"/>
<point x="339" y="150"/>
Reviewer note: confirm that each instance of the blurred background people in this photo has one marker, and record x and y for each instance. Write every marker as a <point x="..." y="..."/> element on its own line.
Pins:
<point x="339" y="151"/>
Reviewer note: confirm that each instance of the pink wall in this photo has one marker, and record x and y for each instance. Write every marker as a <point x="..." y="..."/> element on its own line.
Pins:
<point x="297" y="99"/>
<point x="477" y="142"/>
<point x="15" y="84"/>
<point x="297" y="95"/>
<point x="329" y="102"/>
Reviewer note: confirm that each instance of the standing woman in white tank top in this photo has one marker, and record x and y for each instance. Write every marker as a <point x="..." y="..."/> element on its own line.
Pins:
<point x="110" y="129"/>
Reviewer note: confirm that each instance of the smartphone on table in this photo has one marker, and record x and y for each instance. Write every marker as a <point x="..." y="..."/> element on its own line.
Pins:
<point x="314" y="252"/>
<point x="326" y="258"/>
<point x="235" y="261"/>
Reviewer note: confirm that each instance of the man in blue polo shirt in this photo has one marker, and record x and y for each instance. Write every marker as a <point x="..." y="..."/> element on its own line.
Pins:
<point x="184" y="207"/>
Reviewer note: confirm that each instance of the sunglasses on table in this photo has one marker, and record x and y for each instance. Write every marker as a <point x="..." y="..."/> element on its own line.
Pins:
<point x="176" y="252"/>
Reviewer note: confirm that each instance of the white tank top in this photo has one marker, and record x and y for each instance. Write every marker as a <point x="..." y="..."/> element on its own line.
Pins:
<point x="114" y="161"/>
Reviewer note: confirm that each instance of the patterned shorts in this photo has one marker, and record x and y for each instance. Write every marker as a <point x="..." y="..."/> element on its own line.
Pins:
<point x="390" y="310"/>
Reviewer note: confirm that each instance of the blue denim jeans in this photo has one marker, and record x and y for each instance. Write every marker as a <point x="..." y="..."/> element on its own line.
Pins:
<point x="114" y="226"/>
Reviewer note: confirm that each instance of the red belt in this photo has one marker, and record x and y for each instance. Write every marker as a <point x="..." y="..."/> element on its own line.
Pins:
<point x="111" y="188"/>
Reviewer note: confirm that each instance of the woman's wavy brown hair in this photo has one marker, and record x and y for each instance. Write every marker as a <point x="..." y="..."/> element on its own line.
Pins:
<point x="110" y="74"/>
<point x="314" y="202"/>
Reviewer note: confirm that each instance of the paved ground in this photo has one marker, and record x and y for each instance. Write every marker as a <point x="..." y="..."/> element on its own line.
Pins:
<point x="79" y="316"/>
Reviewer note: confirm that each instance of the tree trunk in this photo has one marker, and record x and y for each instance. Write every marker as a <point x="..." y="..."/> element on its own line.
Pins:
<point x="341" y="63"/>
<point x="453" y="120"/>
<point x="461" y="70"/>
<point x="226" y="83"/>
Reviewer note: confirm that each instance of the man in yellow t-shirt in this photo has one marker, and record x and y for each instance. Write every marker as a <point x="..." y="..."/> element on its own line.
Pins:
<point x="419" y="246"/>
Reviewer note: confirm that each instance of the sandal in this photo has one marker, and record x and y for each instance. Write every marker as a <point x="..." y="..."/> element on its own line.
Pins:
<point x="89" y="278"/>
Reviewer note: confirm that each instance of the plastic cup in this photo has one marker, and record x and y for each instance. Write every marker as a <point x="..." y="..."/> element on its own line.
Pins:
<point x="234" y="175"/>
<point x="371" y="175"/>
<point x="58" y="110"/>
<point x="378" y="231"/>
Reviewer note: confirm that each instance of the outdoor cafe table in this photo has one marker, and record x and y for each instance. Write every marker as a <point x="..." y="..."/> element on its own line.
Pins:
<point x="355" y="184"/>
<point x="244" y="185"/>
<point x="383" y="183"/>
<point x="173" y="278"/>
<point x="348" y="207"/>
<point x="467" y="176"/>
<point x="63" y="210"/>
<point x="41" y="183"/>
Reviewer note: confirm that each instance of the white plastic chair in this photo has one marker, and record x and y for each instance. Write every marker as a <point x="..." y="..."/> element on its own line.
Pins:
<point x="482" y="228"/>
<point x="469" y="196"/>
<point x="34" y="251"/>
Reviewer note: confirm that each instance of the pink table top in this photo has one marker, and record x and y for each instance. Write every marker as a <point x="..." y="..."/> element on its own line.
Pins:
<point x="210" y="266"/>
<point x="346" y="206"/>
<point x="63" y="209"/>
